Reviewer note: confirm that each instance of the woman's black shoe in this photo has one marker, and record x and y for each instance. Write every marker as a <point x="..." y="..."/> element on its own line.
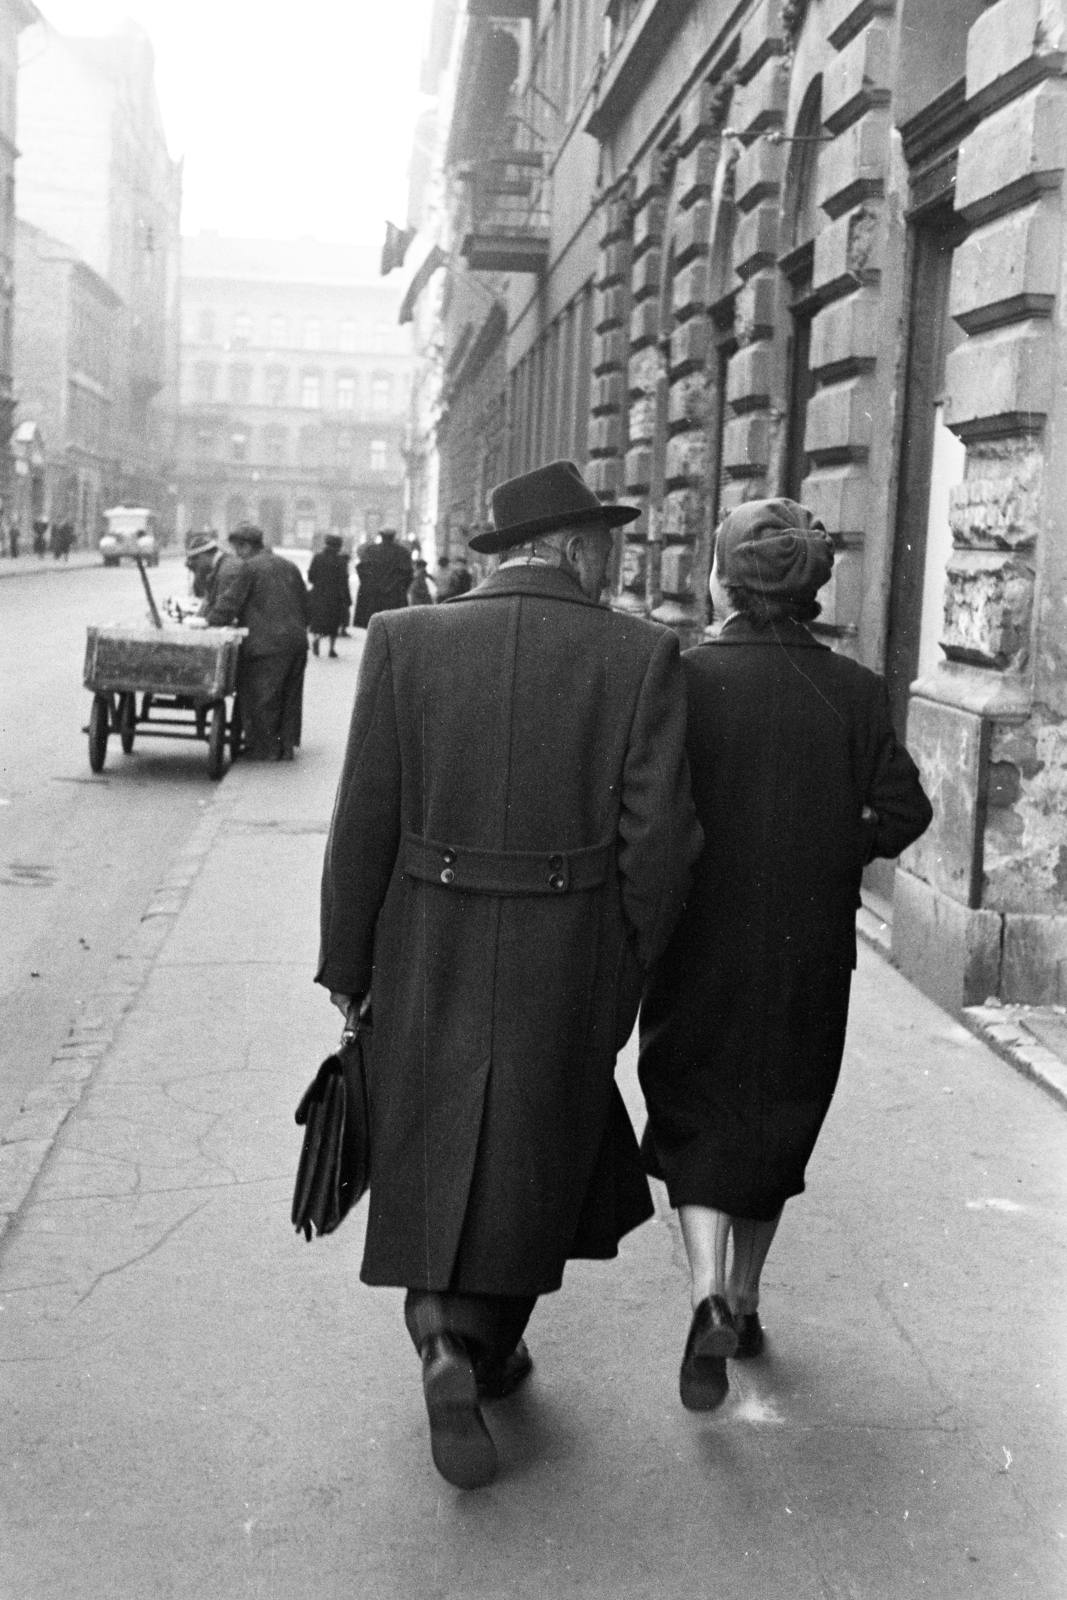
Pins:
<point x="702" y="1381"/>
<point x="749" y="1336"/>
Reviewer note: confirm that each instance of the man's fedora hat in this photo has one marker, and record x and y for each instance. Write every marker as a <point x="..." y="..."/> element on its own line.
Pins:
<point x="556" y="496"/>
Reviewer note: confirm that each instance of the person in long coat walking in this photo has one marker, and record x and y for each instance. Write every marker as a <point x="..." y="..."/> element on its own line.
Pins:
<point x="799" y="781"/>
<point x="330" y="604"/>
<point x="384" y="569"/>
<point x="265" y="594"/>
<point x="510" y="848"/>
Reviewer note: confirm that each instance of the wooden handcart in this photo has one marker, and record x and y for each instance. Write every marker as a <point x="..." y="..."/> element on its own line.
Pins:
<point x="166" y="683"/>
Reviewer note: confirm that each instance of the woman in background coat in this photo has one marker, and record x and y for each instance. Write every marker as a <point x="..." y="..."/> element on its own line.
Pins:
<point x="798" y="782"/>
<point x="330" y="604"/>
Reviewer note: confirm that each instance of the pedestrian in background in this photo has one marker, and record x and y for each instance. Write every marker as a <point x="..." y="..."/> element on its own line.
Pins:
<point x="331" y="598"/>
<point x="510" y="848"/>
<point x="62" y="540"/>
<point x="14" y="534"/>
<point x="454" y="578"/>
<point x="40" y="536"/>
<point x="419" y="591"/>
<point x="265" y="594"/>
<point x="384" y="570"/>
<point x="799" y="781"/>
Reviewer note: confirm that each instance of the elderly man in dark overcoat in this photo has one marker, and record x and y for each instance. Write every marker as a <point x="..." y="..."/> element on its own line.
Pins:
<point x="265" y="594"/>
<point x="510" y="850"/>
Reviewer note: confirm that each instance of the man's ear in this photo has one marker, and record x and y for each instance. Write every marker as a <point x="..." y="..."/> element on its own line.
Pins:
<point x="572" y="550"/>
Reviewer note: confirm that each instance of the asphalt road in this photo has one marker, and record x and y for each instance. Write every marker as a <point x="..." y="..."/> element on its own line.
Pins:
<point x="79" y="855"/>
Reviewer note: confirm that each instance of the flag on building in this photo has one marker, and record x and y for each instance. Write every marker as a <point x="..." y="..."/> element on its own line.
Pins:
<point x="395" y="247"/>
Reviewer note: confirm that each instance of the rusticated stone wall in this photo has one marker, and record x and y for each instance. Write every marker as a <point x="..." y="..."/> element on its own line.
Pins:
<point x="753" y="435"/>
<point x="649" y="202"/>
<point x="1004" y="675"/>
<point x="611" y="316"/>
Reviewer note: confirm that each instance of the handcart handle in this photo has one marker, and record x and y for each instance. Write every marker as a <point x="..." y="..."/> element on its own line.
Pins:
<point x="156" y="618"/>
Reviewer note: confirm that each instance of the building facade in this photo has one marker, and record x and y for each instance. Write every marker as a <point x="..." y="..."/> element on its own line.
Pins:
<point x="15" y="16"/>
<point x="68" y="321"/>
<point x="94" y="172"/>
<point x="717" y="251"/>
<point x="296" y="382"/>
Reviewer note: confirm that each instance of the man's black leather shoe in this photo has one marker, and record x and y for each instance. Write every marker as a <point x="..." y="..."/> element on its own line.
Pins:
<point x="702" y="1381"/>
<point x="497" y="1379"/>
<point x="463" y="1451"/>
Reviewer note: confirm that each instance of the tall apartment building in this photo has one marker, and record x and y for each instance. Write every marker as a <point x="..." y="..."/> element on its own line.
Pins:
<point x="67" y="325"/>
<point x="15" y="15"/>
<point x="95" y="173"/>
<point x="295" y="386"/>
<point x="718" y="251"/>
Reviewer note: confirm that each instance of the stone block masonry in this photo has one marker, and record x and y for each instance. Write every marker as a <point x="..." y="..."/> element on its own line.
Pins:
<point x="611" y="315"/>
<point x="1002" y="400"/>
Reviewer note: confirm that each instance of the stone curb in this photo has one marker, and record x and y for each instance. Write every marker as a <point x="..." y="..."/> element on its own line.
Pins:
<point x="30" y="1137"/>
<point x="1004" y="1033"/>
<point x="1010" y="1039"/>
<point x="81" y="561"/>
<point x="871" y="928"/>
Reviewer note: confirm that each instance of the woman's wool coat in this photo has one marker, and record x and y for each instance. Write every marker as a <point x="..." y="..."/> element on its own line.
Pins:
<point x="510" y="849"/>
<point x="330" y="603"/>
<point x="743" y="1021"/>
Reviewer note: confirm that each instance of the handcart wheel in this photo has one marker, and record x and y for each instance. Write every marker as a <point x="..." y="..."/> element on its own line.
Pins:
<point x="236" y="730"/>
<point x="216" y="741"/>
<point x="99" y="719"/>
<point x="127" y="720"/>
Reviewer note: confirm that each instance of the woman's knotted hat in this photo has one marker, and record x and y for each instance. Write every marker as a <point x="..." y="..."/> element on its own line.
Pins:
<point x="774" y="548"/>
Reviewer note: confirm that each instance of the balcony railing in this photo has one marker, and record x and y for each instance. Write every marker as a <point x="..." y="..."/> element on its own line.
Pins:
<point x="508" y="229"/>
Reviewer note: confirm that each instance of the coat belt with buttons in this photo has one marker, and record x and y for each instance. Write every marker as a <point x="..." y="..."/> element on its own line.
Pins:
<point x="506" y="872"/>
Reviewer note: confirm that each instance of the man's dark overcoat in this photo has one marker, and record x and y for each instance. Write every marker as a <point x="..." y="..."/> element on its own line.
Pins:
<point x="384" y="570"/>
<point x="510" y="849"/>
<point x="330" y="604"/>
<point x="743" y="1021"/>
<point x="266" y="594"/>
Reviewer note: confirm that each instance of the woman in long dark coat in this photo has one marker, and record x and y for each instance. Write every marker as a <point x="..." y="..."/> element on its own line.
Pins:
<point x="331" y="598"/>
<point x="798" y="781"/>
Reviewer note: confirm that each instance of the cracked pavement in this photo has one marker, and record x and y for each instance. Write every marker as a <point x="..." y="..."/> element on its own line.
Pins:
<point x="201" y="1406"/>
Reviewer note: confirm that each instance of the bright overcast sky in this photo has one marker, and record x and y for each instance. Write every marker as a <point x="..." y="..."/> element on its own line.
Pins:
<point x="293" y="119"/>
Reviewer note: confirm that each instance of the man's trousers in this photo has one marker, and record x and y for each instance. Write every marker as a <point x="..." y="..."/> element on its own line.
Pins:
<point x="489" y="1325"/>
<point x="270" y="690"/>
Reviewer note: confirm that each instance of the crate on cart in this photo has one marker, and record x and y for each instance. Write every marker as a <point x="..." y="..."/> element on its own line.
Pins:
<point x="200" y="664"/>
<point x="183" y="677"/>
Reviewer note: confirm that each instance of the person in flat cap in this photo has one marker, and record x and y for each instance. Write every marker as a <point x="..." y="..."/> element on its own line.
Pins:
<point x="206" y="561"/>
<point x="384" y="569"/>
<point x="511" y="846"/>
<point x="331" y="598"/>
<point x="799" y="781"/>
<point x="265" y="594"/>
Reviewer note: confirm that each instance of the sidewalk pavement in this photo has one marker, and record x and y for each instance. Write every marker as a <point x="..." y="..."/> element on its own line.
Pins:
<point x="200" y="1406"/>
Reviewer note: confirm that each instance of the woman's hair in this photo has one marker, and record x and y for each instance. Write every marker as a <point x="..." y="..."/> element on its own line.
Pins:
<point x="764" y="610"/>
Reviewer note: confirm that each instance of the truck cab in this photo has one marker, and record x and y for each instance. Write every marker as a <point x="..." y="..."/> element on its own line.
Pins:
<point x="131" y="531"/>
